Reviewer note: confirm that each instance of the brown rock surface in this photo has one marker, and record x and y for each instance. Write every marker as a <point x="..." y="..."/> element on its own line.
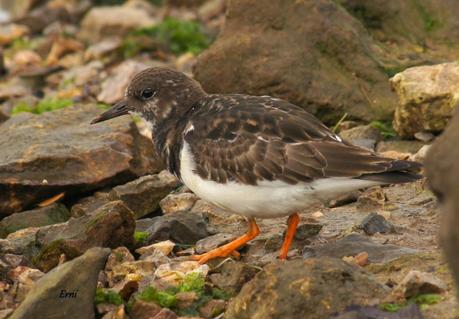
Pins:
<point x="314" y="288"/>
<point x="338" y="66"/>
<point x="60" y="152"/>
<point x="427" y="98"/>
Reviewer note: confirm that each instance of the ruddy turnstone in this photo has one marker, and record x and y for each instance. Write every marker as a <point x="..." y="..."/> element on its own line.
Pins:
<point x="257" y="156"/>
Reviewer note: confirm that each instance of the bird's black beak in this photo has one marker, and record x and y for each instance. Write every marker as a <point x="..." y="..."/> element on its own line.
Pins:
<point x="120" y="108"/>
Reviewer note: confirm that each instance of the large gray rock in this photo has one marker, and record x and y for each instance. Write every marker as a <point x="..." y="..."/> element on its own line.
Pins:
<point x="112" y="225"/>
<point x="314" y="288"/>
<point x="442" y="168"/>
<point x="59" y="151"/>
<point x="427" y="97"/>
<point x="42" y="216"/>
<point x="339" y="50"/>
<point x="66" y="292"/>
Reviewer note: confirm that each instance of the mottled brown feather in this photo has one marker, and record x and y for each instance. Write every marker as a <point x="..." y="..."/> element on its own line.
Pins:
<point x="249" y="139"/>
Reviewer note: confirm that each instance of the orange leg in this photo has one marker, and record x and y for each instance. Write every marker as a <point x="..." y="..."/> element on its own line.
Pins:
<point x="231" y="247"/>
<point x="292" y="222"/>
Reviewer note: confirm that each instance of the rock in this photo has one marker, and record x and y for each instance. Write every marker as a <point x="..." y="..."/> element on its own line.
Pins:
<point x="114" y="86"/>
<point x="442" y="170"/>
<point x="173" y="273"/>
<point x="103" y="48"/>
<point x="10" y="261"/>
<point x="16" y="243"/>
<point x="354" y="244"/>
<point x="374" y="223"/>
<point x="42" y="216"/>
<point x="399" y="146"/>
<point x="232" y="276"/>
<point x="411" y="311"/>
<point x="111" y="226"/>
<point x="427" y="97"/>
<point x="307" y="230"/>
<point x="143" y="195"/>
<point x="424" y="136"/>
<point x="416" y="283"/>
<point x="291" y="33"/>
<point x="365" y="136"/>
<point x="60" y="152"/>
<point x="118" y="256"/>
<point x="313" y="288"/>
<point x="10" y="32"/>
<point x="118" y="313"/>
<point x="421" y="155"/>
<point x="181" y="227"/>
<point x="17" y="9"/>
<point x="67" y="291"/>
<point x="207" y="244"/>
<point x="213" y="308"/>
<point x="23" y="278"/>
<point x="102" y="22"/>
<point x="88" y="205"/>
<point x="144" y="310"/>
<point x="177" y="202"/>
<point x="371" y="198"/>
<point x="130" y="270"/>
<point x="164" y="247"/>
<point x="165" y="313"/>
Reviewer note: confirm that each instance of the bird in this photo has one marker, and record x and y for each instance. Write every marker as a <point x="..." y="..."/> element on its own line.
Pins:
<point x="256" y="156"/>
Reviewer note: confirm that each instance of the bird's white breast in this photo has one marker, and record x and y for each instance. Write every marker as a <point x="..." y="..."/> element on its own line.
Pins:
<point x="268" y="199"/>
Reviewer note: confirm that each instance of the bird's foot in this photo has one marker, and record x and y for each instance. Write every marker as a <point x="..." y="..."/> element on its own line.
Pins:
<point x="230" y="248"/>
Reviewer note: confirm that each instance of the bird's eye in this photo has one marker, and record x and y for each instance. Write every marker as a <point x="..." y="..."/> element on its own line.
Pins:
<point x="147" y="94"/>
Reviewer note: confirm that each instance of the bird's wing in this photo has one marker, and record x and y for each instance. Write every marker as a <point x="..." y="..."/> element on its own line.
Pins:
<point x="250" y="139"/>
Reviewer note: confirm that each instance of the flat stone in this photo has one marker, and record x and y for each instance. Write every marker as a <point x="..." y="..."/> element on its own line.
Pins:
<point x="374" y="223"/>
<point x="207" y="244"/>
<point x="113" y="88"/>
<point x="212" y="308"/>
<point x="181" y="227"/>
<point x="88" y="205"/>
<point x="365" y="136"/>
<point x="111" y="226"/>
<point x="60" y="152"/>
<point x="42" y="216"/>
<point x="232" y="276"/>
<point x="313" y="288"/>
<point x="105" y="21"/>
<point x="354" y="244"/>
<point x="177" y="202"/>
<point x="144" y="310"/>
<point x="67" y="291"/>
<point x="417" y="283"/>
<point x="143" y="195"/>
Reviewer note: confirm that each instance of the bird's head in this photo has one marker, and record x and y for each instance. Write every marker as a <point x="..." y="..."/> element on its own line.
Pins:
<point x="156" y="94"/>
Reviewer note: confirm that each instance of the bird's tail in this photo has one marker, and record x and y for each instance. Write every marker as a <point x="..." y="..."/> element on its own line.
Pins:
<point x="400" y="172"/>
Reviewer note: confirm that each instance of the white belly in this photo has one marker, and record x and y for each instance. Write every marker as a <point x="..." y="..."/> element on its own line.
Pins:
<point x="267" y="199"/>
